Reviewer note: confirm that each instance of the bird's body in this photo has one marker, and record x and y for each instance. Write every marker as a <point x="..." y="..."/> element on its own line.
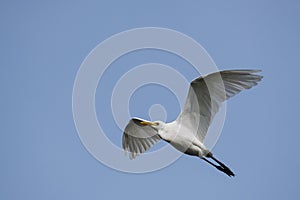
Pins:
<point x="188" y="131"/>
<point x="187" y="143"/>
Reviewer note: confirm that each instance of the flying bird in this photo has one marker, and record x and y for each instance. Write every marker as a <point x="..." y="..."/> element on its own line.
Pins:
<point x="187" y="133"/>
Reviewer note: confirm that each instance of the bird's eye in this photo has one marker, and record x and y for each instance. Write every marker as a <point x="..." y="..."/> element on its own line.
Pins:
<point x="156" y="123"/>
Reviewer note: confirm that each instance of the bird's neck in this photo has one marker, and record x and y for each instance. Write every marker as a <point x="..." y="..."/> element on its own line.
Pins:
<point x="167" y="132"/>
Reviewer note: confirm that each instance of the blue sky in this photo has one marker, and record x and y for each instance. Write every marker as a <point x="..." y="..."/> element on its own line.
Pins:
<point x="43" y="44"/>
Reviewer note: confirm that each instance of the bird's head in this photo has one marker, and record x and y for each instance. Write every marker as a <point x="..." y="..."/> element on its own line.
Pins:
<point x="156" y="124"/>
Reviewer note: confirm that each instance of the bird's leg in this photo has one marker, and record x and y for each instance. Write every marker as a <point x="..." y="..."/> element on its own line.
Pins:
<point x="220" y="163"/>
<point x="220" y="167"/>
<point x="210" y="155"/>
<point x="216" y="166"/>
<point x="210" y="162"/>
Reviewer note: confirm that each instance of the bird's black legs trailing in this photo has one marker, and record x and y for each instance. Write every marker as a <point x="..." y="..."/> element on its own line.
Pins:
<point x="220" y="167"/>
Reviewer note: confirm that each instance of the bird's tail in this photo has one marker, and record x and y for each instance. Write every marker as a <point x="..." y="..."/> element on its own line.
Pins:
<point x="222" y="167"/>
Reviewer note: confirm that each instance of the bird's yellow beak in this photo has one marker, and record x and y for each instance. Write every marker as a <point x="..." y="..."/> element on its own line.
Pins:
<point x="147" y="123"/>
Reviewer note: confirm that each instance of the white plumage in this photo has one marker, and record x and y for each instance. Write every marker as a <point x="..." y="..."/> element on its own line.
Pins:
<point x="187" y="133"/>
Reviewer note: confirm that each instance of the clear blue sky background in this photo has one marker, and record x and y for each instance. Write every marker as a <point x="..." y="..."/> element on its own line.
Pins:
<point x="42" y="46"/>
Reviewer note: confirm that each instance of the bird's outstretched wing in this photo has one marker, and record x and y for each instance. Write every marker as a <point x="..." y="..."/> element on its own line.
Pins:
<point x="207" y="93"/>
<point x="138" y="138"/>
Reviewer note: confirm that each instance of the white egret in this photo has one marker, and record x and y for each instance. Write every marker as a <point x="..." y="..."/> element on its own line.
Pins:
<point x="188" y="131"/>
